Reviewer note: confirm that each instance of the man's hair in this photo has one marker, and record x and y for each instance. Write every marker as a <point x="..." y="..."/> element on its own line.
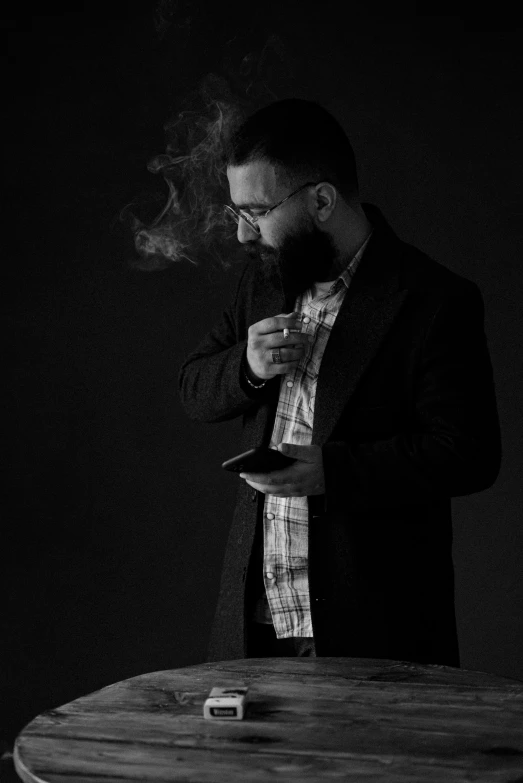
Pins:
<point x="302" y="140"/>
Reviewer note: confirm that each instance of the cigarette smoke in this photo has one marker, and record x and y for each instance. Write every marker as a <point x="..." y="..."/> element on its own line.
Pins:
<point x="192" y="225"/>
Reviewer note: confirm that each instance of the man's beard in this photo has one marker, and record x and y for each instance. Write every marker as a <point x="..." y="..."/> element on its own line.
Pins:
<point x="304" y="258"/>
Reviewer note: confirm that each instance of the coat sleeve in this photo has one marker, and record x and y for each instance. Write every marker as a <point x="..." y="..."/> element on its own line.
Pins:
<point x="212" y="386"/>
<point x="453" y="445"/>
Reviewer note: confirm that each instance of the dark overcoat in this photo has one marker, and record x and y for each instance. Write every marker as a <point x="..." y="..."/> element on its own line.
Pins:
<point x="406" y="416"/>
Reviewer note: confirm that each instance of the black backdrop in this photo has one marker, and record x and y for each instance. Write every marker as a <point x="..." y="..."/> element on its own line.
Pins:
<point x="117" y="510"/>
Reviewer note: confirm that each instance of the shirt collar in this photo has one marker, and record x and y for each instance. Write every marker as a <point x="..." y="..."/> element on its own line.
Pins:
<point x="348" y="273"/>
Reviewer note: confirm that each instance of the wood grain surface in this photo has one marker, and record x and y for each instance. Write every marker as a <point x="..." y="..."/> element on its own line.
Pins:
<point x="309" y="719"/>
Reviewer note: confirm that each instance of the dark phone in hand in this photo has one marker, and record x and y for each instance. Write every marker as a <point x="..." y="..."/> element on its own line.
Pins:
<point x="260" y="460"/>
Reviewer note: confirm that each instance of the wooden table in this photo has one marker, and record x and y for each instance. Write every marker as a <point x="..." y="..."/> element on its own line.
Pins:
<point x="310" y="719"/>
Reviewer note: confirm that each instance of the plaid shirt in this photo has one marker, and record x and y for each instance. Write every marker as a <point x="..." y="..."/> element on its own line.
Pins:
<point x="285" y="520"/>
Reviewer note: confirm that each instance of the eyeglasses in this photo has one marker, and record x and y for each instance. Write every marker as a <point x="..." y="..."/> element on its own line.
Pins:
<point x="252" y="220"/>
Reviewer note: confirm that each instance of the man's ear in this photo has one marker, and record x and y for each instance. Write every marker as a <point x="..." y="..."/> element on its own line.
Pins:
<point x="326" y="198"/>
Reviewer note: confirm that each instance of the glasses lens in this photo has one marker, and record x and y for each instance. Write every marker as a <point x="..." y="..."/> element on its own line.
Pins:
<point x="237" y="215"/>
<point x="230" y="211"/>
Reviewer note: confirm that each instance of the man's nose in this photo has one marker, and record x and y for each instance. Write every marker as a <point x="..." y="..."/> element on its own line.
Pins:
<point x="245" y="232"/>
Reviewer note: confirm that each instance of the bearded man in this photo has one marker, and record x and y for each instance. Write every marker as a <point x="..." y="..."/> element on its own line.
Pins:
<point x="364" y="360"/>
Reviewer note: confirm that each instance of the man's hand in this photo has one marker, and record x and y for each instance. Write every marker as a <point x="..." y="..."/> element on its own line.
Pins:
<point x="304" y="477"/>
<point x="267" y="336"/>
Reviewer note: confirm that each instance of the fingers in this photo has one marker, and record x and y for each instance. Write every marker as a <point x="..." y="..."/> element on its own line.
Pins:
<point x="288" y="355"/>
<point x="276" y="345"/>
<point x="278" y="323"/>
<point x="277" y="340"/>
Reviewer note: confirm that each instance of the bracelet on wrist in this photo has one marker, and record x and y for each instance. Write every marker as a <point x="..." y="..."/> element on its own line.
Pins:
<point x="253" y="385"/>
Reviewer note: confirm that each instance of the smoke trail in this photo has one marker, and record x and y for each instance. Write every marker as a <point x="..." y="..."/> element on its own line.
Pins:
<point x="192" y="225"/>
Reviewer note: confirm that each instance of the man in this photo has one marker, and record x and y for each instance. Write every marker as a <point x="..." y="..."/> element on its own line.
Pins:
<point x="365" y="361"/>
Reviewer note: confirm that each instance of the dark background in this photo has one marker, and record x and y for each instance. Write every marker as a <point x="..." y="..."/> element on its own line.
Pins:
<point x="116" y="507"/>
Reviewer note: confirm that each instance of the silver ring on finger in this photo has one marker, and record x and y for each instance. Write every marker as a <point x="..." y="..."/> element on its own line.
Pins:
<point x="276" y="356"/>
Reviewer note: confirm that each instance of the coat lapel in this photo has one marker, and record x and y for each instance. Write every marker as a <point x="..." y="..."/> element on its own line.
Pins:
<point x="371" y="304"/>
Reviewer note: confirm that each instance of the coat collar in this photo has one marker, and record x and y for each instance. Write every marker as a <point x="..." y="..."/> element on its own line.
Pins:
<point x="378" y="272"/>
<point x="371" y="304"/>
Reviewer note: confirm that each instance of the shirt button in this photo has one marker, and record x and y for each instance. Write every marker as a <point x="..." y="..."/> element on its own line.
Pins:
<point x="269" y="575"/>
<point x="306" y="320"/>
<point x="270" y="516"/>
<point x="290" y="384"/>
